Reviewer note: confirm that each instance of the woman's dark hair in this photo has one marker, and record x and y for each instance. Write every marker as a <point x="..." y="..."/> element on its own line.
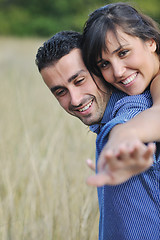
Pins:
<point x="108" y="18"/>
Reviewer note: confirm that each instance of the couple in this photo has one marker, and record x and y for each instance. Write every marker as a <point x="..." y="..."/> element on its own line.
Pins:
<point x="119" y="46"/>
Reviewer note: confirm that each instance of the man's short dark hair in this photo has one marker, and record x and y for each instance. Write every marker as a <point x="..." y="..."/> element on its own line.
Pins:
<point x="56" y="47"/>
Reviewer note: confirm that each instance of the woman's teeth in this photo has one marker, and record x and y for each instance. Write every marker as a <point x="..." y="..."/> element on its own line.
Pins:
<point x="129" y="79"/>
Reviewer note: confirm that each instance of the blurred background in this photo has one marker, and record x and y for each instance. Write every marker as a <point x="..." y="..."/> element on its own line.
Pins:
<point x="45" y="17"/>
<point x="43" y="150"/>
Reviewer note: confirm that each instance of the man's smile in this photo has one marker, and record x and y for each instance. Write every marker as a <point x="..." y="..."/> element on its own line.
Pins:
<point x="86" y="107"/>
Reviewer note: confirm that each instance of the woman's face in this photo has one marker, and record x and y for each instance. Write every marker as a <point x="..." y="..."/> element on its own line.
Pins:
<point x="129" y="64"/>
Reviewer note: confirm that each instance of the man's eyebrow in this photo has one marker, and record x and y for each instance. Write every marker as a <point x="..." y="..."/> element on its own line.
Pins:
<point x="75" y="75"/>
<point x="53" y="89"/>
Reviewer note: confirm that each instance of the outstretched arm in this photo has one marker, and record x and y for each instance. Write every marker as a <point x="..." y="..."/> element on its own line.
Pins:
<point x="125" y="155"/>
<point x="116" y="169"/>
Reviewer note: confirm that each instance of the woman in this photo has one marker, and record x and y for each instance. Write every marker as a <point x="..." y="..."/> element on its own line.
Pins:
<point x="120" y="29"/>
<point x="123" y="46"/>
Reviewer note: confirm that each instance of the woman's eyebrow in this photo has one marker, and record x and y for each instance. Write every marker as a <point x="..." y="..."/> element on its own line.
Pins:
<point x="99" y="61"/>
<point x="115" y="51"/>
<point x="119" y="48"/>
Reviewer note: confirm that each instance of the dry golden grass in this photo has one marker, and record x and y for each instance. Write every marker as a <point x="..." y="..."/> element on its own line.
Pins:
<point x="43" y="195"/>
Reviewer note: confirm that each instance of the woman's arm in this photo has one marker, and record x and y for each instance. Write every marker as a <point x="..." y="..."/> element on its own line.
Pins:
<point x="146" y="125"/>
<point x="125" y="153"/>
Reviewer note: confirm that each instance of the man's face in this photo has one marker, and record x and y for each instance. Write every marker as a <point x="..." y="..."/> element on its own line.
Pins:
<point x="74" y="88"/>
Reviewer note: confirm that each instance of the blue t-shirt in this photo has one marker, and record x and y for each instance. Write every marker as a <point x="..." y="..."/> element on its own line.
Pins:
<point x="131" y="210"/>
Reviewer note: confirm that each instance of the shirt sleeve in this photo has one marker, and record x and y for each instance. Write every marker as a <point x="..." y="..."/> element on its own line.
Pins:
<point x="124" y="109"/>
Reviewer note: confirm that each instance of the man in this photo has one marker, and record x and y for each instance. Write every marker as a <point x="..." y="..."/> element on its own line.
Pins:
<point x="122" y="207"/>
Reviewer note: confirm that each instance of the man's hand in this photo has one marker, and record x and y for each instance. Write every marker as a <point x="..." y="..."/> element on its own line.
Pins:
<point x="117" y="167"/>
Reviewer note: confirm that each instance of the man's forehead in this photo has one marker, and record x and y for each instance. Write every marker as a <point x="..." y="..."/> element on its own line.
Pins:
<point x="71" y="61"/>
<point x="63" y="73"/>
<point x="75" y="53"/>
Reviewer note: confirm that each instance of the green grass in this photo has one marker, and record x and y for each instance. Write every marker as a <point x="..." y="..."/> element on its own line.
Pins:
<point x="43" y="194"/>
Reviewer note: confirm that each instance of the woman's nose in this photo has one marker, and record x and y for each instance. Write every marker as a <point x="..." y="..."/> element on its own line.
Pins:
<point x="118" y="69"/>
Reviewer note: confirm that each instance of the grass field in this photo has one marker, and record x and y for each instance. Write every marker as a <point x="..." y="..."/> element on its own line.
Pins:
<point x="43" y="195"/>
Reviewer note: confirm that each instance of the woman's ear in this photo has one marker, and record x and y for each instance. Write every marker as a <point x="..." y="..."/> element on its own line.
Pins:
<point x="151" y="44"/>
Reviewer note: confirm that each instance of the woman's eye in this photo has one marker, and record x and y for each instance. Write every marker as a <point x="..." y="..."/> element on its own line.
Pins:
<point x="104" y="65"/>
<point x="123" y="53"/>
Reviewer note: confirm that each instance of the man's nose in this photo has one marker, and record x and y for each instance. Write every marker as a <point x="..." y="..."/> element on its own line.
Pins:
<point x="76" y="96"/>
